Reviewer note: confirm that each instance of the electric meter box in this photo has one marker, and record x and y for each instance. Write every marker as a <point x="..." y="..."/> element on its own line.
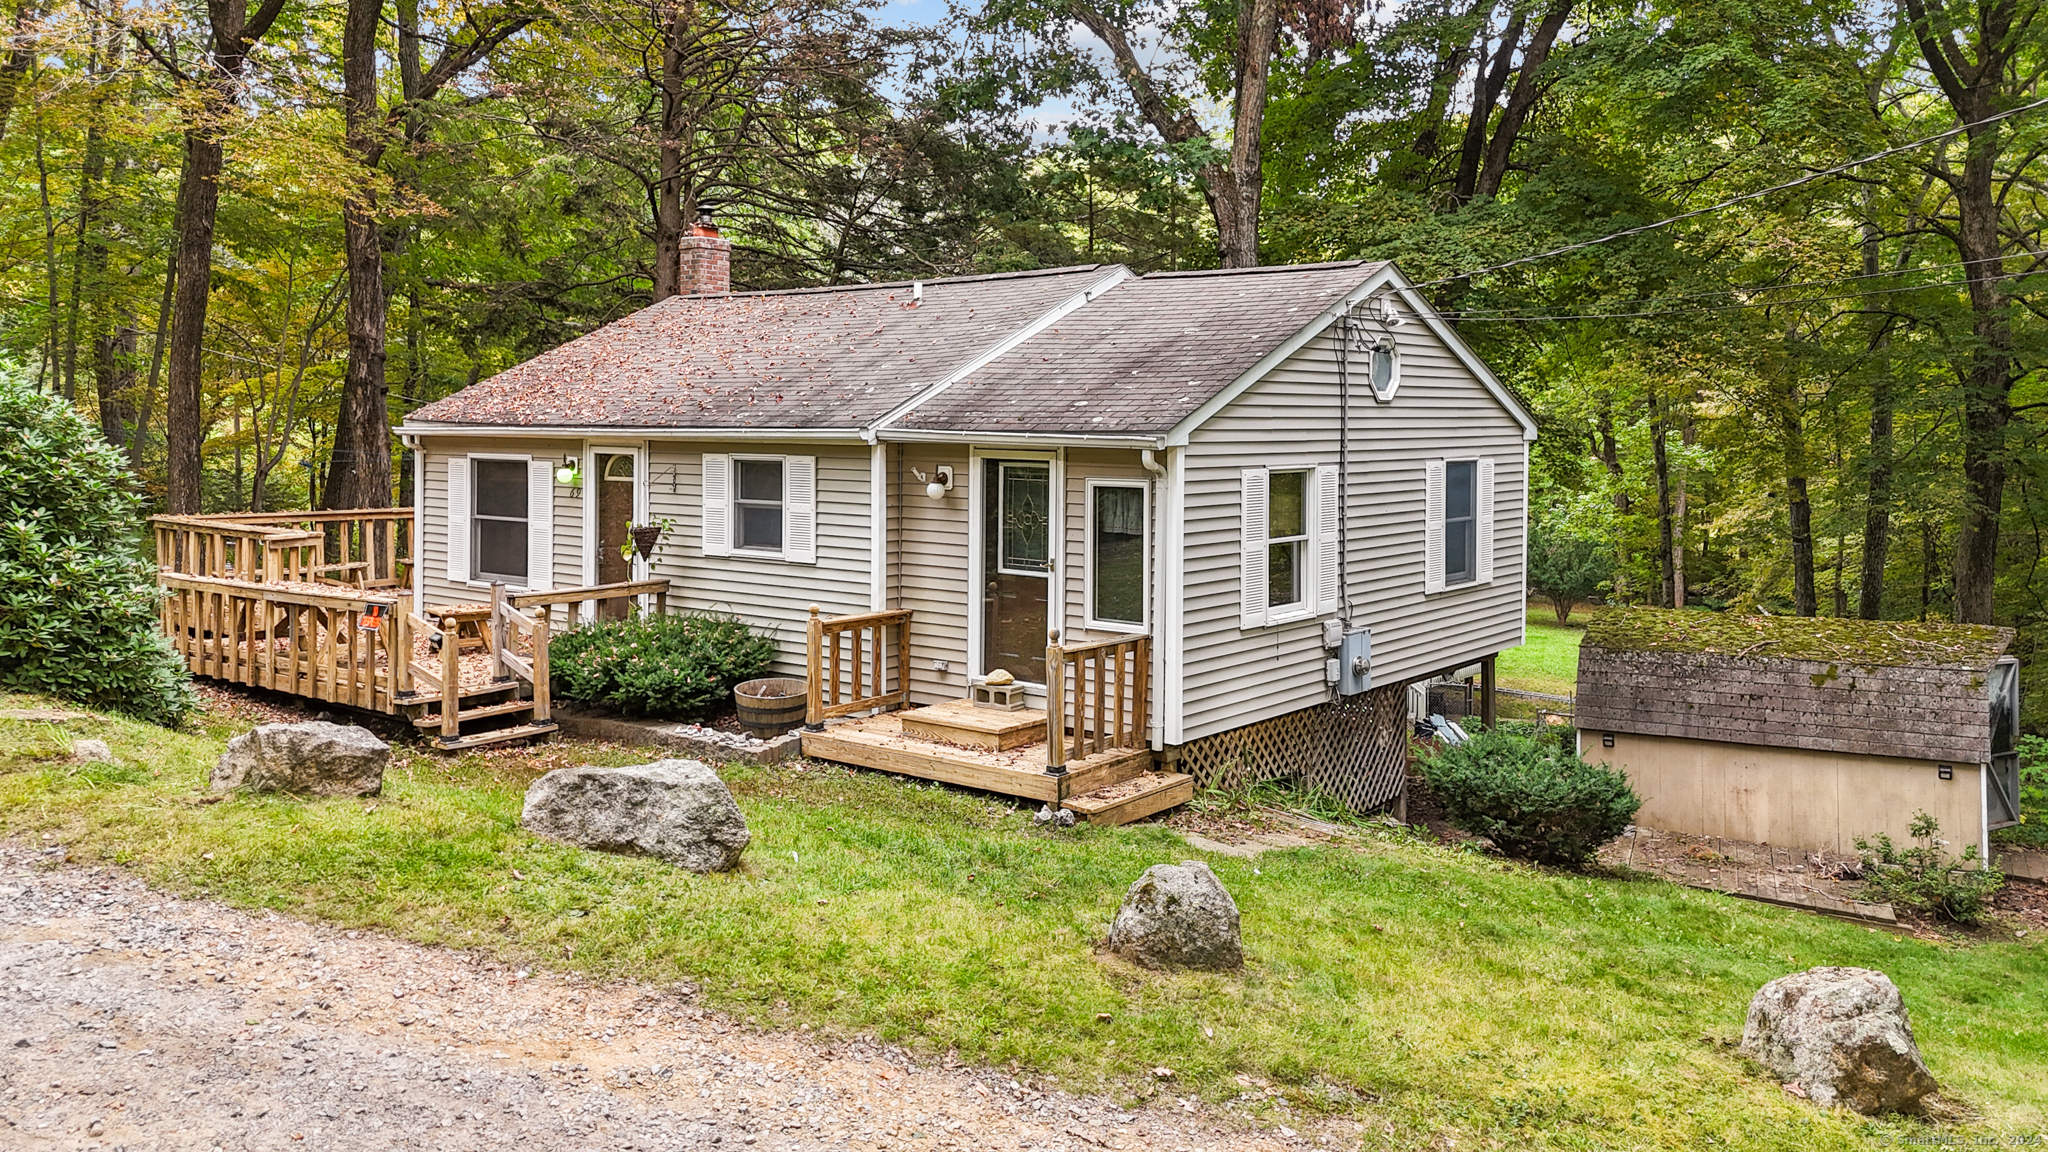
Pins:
<point x="1354" y="663"/>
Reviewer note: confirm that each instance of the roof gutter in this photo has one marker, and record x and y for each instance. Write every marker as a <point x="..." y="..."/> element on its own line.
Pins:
<point x="598" y="431"/>
<point x="1018" y="439"/>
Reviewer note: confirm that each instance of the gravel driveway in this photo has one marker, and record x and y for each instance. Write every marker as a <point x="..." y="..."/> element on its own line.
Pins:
<point x="131" y="1019"/>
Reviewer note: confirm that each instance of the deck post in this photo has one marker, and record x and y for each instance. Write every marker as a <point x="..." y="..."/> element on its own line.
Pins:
<point x="1489" y="692"/>
<point x="903" y="663"/>
<point x="451" y="681"/>
<point x="1055" y="706"/>
<point x="814" y="666"/>
<point x="541" y="709"/>
<point x="495" y="630"/>
<point x="400" y="654"/>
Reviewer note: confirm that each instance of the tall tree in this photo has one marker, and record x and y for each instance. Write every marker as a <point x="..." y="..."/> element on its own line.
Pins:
<point x="1986" y="58"/>
<point x="214" y="86"/>
<point x="359" y="468"/>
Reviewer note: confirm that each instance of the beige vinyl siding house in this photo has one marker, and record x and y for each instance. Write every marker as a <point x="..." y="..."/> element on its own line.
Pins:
<point x="1116" y="447"/>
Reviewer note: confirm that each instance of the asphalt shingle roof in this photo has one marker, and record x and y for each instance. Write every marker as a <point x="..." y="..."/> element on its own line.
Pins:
<point x="1143" y="356"/>
<point x="818" y="358"/>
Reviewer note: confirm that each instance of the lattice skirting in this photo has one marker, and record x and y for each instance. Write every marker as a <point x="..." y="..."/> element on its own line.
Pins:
<point x="1355" y="749"/>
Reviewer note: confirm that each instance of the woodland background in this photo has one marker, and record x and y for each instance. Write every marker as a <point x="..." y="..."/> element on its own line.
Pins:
<point x="247" y="241"/>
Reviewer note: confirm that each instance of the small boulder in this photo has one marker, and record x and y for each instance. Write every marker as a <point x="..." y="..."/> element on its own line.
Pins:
<point x="1840" y="1034"/>
<point x="91" y="752"/>
<point x="1178" y="916"/>
<point x="674" y="810"/>
<point x="311" y="759"/>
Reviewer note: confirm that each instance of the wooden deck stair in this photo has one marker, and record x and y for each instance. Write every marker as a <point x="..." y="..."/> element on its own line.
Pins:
<point x="501" y="717"/>
<point x="1003" y="752"/>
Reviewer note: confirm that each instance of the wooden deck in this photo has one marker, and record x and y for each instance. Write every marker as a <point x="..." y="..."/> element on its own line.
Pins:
<point x="1109" y="787"/>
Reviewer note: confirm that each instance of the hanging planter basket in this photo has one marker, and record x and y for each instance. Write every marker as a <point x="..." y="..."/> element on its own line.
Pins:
<point x="645" y="537"/>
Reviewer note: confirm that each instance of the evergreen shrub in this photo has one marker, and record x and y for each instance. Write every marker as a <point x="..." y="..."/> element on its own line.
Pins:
<point x="78" y="602"/>
<point x="669" y="667"/>
<point x="1534" y="799"/>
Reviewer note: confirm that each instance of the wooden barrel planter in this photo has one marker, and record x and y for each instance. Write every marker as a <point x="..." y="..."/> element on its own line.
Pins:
<point x="773" y="706"/>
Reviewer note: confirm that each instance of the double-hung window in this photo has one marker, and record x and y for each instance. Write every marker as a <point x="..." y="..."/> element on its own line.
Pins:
<point x="761" y="506"/>
<point x="1286" y="538"/>
<point x="498" y="520"/>
<point x="501" y="519"/>
<point x="757" y="504"/>
<point x="1292" y="524"/>
<point x="1458" y="534"/>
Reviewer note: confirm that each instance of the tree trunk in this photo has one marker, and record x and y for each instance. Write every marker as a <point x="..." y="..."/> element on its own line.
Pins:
<point x="20" y="55"/>
<point x="198" y="203"/>
<point x="1798" y="508"/>
<point x="1661" y="465"/>
<point x="671" y="214"/>
<point x="1486" y="88"/>
<point x="1678" y="520"/>
<point x="1877" y="507"/>
<point x="359" y="470"/>
<point x="1528" y="86"/>
<point x="114" y="382"/>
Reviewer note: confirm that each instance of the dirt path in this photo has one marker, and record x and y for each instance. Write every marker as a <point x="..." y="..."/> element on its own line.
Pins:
<point x="130" y="1019"/>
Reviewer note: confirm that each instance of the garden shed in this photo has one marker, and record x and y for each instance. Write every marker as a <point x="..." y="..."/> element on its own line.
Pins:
<point x="1803" y="733"/>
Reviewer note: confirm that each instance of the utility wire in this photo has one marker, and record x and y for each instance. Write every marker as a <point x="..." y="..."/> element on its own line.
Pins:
<point x="1809" y="178"/>
<point x="1736" y="307"/>
<point x="1508" y="314"/>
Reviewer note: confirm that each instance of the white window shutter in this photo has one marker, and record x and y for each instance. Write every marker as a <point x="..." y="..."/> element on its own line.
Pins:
<point x="540" y="525"/>
<point x="1433" y="527"/>
<point x="800" y="509"/>
<point x="717" y="504"/>
<point x="1329" y="511"/>
<point x="458" y="519"/>
<point x="1485" y="518"/>
<point x="1251" y="610"/>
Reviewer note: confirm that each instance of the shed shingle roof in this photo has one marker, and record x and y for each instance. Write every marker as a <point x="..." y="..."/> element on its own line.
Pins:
<point x="807" y="359"/>
<point x="1143" y="356"/>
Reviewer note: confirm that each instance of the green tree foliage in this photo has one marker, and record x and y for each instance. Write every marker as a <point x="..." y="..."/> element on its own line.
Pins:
<point x="1567" y="570"/>
<point x="1926" y="877"/>
<point x="1529" y="796"/>
<point x="78" y="610"/>
<point x="674" y="667"/>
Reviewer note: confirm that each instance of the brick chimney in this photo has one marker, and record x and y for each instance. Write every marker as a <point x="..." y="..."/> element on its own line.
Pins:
<point x="707" y="260"/>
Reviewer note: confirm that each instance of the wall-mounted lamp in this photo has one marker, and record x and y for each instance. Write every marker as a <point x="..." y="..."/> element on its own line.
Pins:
<point x="938" y="483"/>
<point x="569" y="475"/>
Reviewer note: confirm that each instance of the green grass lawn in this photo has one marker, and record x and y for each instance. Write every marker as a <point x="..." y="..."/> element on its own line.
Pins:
<point x="1548" y="659"/>
<point x="1436" y="994"/>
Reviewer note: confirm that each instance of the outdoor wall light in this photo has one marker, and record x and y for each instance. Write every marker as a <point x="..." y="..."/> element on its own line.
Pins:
<point x="938" y="483"/>
<point x="569" y="475"/>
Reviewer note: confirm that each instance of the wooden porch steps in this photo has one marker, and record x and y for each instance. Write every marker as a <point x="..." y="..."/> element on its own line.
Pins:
<point x="1110" y="787"/>
<point x="960" y="722"/>
<point x="433" y="719"/>
<point x="497" y="736"/>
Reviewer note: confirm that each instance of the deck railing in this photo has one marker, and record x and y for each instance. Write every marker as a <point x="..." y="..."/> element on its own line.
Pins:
<point x="543" y="604"/>
<point x="359" y="547"/>
<point x="847" y="663"/>
<point x="1096" y="697"/>
<point x="344" y="648"/>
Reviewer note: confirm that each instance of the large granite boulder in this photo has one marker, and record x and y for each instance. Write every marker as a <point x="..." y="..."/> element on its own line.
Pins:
<point x="1841" y="1035"/>
<point x="311" y="759"/>
<point x="1178" y="916"/>
<point x="673" y="810"/>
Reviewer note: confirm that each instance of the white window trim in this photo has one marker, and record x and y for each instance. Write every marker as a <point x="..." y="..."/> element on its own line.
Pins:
<point x="1088" y="559"/>
<point x="732" y="485"/>
<point x="1305" y="567"/>
<point x="1393" y="348"/>
<point x="475" y="579"/>
<point x="1436" y="529"/>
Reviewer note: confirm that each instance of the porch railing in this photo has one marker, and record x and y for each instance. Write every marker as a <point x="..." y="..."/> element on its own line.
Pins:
<point x="847" y="663"/>
<point x="368" y="548"/>
<point x="1096" y="697"/>
<point x="345" y="648"/>
<point x="543" y="604"/>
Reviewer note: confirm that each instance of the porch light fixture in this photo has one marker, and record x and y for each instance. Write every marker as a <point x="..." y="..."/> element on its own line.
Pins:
<point x="938" y="483"/>
<point x="569" y="475"/>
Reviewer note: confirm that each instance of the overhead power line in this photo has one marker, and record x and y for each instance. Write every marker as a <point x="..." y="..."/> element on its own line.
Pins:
<point x="1735" y="307"/>
<point x="1810" y="177"/>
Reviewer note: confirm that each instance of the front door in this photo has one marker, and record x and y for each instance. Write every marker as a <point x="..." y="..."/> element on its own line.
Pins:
<point x="614" y="516"/>
<point x="1016" y="565"/>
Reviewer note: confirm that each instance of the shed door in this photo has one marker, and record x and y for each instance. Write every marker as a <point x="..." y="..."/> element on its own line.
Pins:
<point x="2002" y="790"/>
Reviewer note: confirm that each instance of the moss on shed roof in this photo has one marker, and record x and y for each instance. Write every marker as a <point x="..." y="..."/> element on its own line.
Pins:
<point x="1865" y="643"/>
